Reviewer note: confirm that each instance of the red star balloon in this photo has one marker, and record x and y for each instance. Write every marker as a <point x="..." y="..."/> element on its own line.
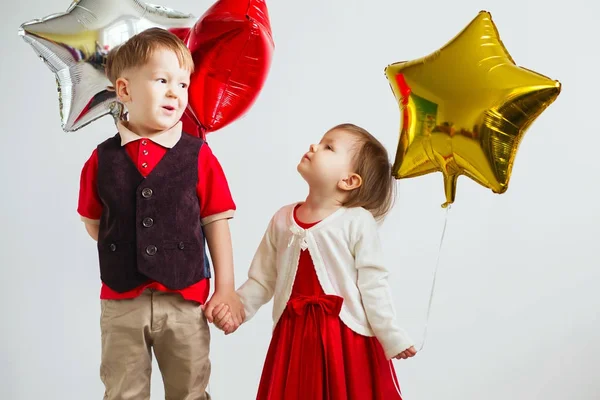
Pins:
<point x="232" y="48"/>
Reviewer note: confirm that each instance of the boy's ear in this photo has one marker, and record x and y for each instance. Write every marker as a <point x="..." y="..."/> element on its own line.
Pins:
<point x="353" y="181"/>
<point x="122" y="90"/>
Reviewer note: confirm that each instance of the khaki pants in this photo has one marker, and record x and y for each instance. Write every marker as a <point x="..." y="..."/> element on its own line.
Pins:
<point x="177" y="331"/>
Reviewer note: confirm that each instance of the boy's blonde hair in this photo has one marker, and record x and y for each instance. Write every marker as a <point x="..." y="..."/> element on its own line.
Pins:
<point x="136" y="51"/>
<point x="378" y="188"/>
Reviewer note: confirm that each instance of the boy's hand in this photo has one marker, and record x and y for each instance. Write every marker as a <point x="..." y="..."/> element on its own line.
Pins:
<point x="232" y="300"/>
<point x="410" y="352"/>
<point x="222" y="319"/>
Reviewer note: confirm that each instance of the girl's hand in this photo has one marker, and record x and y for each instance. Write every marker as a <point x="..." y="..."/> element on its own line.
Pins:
<point x="410" y="352"/>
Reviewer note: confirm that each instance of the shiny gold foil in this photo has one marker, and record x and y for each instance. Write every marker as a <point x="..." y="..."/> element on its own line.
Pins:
<point x="465" y="108"/>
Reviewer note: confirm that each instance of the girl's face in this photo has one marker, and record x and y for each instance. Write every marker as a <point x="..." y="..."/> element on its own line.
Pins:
<point x="330" y="161"/>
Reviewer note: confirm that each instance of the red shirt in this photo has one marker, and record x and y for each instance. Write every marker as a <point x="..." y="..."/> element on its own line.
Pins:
<point x="212" y="188"/>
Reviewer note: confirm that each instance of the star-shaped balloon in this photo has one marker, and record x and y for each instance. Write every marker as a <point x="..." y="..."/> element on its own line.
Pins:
<point x="232" y="47"/>
<point x="465" y="109"/>
<point x="74" y="45"/>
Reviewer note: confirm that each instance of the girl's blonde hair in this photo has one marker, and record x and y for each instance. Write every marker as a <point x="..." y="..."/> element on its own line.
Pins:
<point x="378" y="189"/>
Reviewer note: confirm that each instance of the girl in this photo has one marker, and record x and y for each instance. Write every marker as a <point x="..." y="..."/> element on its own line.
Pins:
<point x="335" y="328"/>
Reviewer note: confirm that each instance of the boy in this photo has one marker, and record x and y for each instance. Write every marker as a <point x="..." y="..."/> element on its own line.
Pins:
<point x="149" y="196"/>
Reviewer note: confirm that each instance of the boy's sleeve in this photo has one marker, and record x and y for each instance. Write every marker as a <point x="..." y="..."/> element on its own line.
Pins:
<point x="213" y="190"/>
<point x="89" y="206"/>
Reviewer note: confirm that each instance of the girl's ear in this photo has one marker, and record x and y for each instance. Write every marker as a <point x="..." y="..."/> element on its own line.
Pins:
<point x="353" y="181"/>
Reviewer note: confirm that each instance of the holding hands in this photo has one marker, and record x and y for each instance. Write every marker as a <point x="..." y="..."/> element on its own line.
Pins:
<point x="226" y="311"/>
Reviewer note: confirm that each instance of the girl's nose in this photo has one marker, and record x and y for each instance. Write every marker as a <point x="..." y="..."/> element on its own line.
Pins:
<point x="313" y="148"/>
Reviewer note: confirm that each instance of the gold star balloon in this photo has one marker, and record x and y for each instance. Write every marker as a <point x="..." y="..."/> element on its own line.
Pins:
<point x="74" y="45"/>
<point x="465" y="109"/>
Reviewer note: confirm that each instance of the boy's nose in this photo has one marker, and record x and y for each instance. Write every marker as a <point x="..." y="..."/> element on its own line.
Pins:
<point x="313" y="148"/>
<point x="171" y="93"/>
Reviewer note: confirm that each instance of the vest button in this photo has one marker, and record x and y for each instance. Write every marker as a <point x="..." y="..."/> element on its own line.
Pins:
<point x="113" y="247"/>
<point x="148" y="222"/>
<point x="151" y="250"/>
<point x="181" y="246"/>
<point x="146" y="193"/>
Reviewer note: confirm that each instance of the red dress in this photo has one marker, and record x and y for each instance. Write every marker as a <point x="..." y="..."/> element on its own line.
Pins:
<point x="313" y="355"/>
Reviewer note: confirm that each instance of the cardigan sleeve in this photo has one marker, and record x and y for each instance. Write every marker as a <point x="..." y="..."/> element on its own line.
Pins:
<point x="260" y="286"/>
<point x="375" y="290"/>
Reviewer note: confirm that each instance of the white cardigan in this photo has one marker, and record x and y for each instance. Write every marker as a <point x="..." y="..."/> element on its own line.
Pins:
<point x="348" y="260"/>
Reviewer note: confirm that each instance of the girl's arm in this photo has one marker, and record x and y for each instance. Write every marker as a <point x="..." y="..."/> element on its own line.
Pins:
<point x="375" y="291"/>
<point x="260" y="286"/>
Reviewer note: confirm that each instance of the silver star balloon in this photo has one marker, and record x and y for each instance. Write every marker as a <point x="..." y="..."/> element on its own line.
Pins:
<point x="74" y="45"/>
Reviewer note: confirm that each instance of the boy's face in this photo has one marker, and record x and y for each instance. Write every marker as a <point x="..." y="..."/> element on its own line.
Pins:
<point x="155" y="94"/>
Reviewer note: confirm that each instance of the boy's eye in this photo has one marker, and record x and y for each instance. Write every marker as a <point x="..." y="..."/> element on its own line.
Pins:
<point x="184" y="85"/>
<point x="162" y="80"/>
<point x="328" y="147"/>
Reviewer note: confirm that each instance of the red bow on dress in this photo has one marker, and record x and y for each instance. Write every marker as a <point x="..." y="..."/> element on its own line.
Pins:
<point x="330" y="304"/>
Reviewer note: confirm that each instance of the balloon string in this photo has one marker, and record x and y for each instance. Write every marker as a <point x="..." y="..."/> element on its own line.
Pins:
<point x="437" y="264"/>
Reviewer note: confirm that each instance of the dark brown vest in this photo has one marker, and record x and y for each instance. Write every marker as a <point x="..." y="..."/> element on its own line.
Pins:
<point x="150" y="227"/>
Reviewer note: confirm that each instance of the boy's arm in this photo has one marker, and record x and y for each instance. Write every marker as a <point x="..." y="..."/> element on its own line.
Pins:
<point x="89" y="206"/>
<point x="92" y="230"/>
<point x="218" y="239"/>
<point x="216" y="208"/>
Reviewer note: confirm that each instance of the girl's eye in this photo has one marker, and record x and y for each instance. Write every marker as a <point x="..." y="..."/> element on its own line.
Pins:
<point x="162" y="80"/>
<point x="184" y="85"/>
<point x="328" y="147"/>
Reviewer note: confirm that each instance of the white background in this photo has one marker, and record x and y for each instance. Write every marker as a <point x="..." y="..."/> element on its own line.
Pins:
<point x="515" y="314"/>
